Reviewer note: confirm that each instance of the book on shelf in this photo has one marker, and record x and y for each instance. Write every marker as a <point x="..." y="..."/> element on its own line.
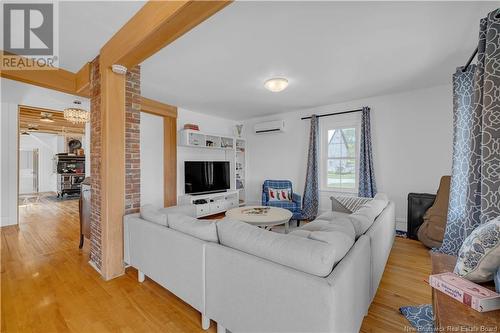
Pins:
<point x="477" y="297"/>
<point x="193" y="127"/>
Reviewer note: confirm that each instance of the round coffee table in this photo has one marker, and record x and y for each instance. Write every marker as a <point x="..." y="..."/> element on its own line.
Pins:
<point x="262" y="216"/>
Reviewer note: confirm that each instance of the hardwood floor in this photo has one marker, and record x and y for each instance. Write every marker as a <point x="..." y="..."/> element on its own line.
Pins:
<point x="403" y="283"/>
<point x="48" y="286"/>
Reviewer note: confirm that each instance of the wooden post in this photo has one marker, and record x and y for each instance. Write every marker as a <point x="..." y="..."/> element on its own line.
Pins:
<point x="112" y="171"/>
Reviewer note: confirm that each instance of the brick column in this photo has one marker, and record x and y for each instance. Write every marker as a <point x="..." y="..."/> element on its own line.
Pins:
<point x="132" y="152"/>
<point x="132" y="141"/>
<point x="95" y="163"/>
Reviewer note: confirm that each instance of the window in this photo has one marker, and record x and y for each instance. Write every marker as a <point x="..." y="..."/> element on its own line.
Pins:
<point x="339" y="155"/>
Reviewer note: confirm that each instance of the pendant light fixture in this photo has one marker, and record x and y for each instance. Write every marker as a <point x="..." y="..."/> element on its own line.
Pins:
<point x="76" y="114"/>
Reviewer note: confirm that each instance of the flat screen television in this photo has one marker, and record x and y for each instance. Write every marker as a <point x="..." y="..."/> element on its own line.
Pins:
<point x="201" y="177"/>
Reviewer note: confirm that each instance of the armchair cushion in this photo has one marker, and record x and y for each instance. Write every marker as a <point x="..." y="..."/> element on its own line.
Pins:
<point x="290" y="205"/>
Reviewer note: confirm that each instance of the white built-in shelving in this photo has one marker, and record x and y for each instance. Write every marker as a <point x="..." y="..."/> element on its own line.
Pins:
<point x="234" y="147"/>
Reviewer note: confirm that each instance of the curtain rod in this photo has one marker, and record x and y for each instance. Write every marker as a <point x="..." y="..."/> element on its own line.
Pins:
<point x="332" y="114"/>
<point x="470" y="60"/>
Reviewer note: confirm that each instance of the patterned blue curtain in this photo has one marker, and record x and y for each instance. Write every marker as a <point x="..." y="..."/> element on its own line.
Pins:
<point x="367" y="185"/>
<point x="311" y="189"/>
<point x="475" y="180"/>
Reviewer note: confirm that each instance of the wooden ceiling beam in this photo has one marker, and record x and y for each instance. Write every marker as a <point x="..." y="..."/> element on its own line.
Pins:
<point x="154" y="26"/>
<point x="75" y="84"/>
<point x="157" y="108"/>
<point x="82" y="80"/>
<point x="55" y="79"/>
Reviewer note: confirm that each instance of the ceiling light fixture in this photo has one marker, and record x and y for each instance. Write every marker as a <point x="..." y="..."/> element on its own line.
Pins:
<point x="276" y="84"/>
<point x="76" y="114"/>
<point x="46" y="117"/>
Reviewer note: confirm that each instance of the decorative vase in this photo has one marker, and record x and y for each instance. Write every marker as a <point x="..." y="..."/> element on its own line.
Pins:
<point x="239" y="129"/>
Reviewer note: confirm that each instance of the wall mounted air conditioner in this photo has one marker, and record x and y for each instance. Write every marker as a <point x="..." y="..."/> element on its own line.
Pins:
<point x="275" y="126"/>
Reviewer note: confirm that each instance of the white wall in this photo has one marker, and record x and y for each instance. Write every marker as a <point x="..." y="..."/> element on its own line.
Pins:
<point x="207" y="124"/>
<point x="411" y="136"/>
<point x="8" y="171"/>
<point x="13" y="94"/>
<point x="151" y="142"/>
<point x="46" y="144"/>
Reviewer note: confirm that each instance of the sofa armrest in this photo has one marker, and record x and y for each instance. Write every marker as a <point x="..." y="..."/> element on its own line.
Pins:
<point x="297" y="199"/>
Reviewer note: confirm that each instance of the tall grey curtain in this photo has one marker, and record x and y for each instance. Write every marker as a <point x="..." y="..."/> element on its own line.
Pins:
<point x="475" y="180"/>
<point x="311" y="189"/>
<point x="367" y="185"/>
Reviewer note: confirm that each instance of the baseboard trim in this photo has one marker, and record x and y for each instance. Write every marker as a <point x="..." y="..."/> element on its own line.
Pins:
<point x="401" y="224"/>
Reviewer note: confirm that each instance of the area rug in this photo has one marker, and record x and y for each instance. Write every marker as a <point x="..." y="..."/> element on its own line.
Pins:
<point x="419" y="316"/>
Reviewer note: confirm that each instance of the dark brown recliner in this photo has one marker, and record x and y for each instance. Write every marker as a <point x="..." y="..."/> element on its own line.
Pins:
<point x="431" y="232"/>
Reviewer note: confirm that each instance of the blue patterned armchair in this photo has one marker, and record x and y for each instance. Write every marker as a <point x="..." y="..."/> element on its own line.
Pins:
<point x="295" y="206"/>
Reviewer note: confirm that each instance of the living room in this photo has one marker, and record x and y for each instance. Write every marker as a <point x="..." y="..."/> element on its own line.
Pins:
<point x="256" y="167"/>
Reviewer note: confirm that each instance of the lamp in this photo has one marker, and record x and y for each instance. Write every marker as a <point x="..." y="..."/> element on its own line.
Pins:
<point x="276" y="84"/>
<point x="76" y="114"/>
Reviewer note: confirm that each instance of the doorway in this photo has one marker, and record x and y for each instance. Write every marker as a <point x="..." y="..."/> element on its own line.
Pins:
<point x="51" y="168"/>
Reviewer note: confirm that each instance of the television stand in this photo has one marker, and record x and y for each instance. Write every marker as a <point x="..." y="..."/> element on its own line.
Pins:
<point x="213" y="203"/>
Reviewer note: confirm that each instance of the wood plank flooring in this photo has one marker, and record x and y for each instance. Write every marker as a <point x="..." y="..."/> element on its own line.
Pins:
<point x="48" y="286"/>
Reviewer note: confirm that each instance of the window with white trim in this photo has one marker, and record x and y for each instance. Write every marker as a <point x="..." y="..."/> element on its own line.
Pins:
<point x="339" y="154"/>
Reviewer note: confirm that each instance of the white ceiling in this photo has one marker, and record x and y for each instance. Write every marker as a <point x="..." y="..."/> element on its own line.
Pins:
<point x="85" y="26"/>
<point x="330" y="52"/>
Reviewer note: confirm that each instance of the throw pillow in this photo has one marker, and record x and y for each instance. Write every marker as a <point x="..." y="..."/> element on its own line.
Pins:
<point x="479" y="255"/>
<point x="152" y="214"/>
<point x="279" y="194"/>
<point x="347" y="204"/>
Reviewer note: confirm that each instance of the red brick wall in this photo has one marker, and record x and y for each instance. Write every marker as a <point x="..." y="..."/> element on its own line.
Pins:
<point x="132" y="141"/>
<point x="132" y="152"/>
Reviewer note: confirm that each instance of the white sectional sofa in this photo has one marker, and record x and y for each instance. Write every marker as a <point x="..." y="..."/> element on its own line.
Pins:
<point x="315" y="279"/>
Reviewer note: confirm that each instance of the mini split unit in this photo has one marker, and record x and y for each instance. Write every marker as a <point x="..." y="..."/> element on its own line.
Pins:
<point x="275" y="126"/>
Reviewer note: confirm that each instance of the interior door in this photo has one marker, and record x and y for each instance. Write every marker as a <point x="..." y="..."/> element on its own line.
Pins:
<point x="28" y="171"/>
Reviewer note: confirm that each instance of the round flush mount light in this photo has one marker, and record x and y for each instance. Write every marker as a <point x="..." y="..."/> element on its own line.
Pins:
<point x="276" y="84"/>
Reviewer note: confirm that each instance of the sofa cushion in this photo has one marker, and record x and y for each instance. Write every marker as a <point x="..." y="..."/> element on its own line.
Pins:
<point x="188" y="210"/>
<point x="297" y="251"/>
<point x="363" y="218"/>
<point x="338" y="225"/>
<point x="381" y="196"/>
<point x="153" y="214"/>
<point x="331" y="215"/>
<point x="203" y="229"/>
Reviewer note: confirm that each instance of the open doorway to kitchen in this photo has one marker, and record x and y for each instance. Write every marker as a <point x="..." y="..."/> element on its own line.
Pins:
<point x="51" y="168"/>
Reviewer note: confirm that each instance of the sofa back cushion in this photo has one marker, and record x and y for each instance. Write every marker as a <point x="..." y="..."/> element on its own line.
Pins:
<point x="188" y="210"/>
<point x="203" y="229"/>
<point x="152" y="214"/>
<point x="316" y="255"/>
<point x="160" y="215"/>
<point x="363" y="218"/>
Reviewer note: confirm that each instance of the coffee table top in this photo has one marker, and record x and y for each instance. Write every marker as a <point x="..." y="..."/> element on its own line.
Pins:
<point x="260" y="215"/>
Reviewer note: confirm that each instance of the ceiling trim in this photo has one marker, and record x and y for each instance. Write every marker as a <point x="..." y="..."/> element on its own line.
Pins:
<point x="155" y="25"/>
